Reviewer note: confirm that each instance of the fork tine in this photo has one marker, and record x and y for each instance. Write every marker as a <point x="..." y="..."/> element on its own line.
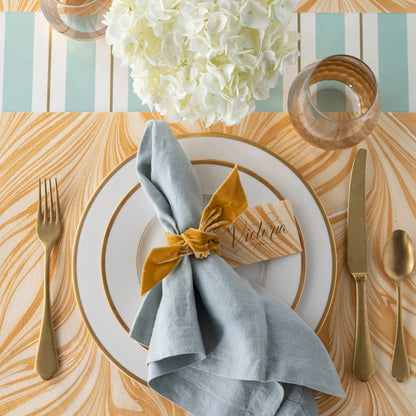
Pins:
<point x="45" y="213"/>
<point x="40" y="201"/>
<point x="58" y="208"/>
<point x="50" y="201"/>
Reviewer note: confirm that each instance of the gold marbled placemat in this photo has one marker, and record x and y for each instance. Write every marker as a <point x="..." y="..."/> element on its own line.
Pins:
<point x="316" y="6"/>
<point x="80" y="149"/>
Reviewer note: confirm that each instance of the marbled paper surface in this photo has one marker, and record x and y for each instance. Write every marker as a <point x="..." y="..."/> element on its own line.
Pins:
<point x="80" y="149"/>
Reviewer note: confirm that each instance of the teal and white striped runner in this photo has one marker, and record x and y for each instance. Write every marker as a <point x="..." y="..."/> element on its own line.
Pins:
<point x="41" y="70"/>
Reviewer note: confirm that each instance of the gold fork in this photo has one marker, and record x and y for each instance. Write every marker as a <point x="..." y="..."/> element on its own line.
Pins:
<point x="49" y="229"/>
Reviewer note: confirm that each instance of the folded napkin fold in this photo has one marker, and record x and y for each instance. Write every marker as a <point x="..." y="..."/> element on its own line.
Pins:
<point x="219" y="345"/>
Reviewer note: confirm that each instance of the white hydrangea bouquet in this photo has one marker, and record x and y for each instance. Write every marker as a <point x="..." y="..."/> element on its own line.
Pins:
<point x="203" y="59"/>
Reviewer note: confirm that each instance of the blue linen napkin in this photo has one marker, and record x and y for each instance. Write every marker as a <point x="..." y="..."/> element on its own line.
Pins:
<point x="218" y="344"/>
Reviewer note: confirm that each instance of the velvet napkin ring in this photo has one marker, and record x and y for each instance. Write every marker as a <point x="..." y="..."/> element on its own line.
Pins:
<point x="227" y="203"/>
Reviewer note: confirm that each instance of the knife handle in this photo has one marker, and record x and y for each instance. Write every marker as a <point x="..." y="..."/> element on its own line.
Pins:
<point x="363" y="366"/>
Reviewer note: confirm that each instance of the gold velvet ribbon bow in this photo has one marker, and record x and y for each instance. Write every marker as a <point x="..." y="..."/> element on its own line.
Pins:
<point x="227" y="203"/>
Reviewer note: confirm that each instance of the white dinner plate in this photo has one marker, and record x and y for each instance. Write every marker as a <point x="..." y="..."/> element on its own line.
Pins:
<point x="98" y="313"/>
<point x="134" y="230"/>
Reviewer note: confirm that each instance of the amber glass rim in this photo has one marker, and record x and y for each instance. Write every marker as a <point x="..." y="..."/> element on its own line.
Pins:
<point x="76" y="6"/>
<point x="360" y="62"/>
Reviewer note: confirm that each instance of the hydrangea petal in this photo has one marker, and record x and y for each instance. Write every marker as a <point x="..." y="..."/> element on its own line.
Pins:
<point x="216" y="22"/>
<point x="254" y="15"/>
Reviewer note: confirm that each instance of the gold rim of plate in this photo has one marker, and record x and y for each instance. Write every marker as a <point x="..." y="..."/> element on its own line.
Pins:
<point x="194" y="162"/>
<point x="196" y="135"/>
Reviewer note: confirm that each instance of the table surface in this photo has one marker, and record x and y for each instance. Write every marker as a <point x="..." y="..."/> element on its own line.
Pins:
<point x="81" y="148"/>
<point x="313" y="6"/>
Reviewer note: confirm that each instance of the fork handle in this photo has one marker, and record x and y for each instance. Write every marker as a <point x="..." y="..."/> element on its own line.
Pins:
<point x="46" y="364"/>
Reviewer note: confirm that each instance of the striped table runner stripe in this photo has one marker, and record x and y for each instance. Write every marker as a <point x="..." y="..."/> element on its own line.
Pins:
<point x="41" y="70"/>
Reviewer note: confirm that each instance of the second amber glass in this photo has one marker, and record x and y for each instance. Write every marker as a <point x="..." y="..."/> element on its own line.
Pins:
<point x="333" y="103"/>
<point x="77" y="19"/>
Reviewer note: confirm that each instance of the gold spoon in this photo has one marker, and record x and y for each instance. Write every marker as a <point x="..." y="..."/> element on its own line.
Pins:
<point x="398" y="262"/>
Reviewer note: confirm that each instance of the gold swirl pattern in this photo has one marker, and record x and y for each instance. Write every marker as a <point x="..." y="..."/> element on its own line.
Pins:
<point x="20" y="6"/>
<point x="316" y="6"/>
<point x="357" y="6"/>
<point x="80" y="149"/>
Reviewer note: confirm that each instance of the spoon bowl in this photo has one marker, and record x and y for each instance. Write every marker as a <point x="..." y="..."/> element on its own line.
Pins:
<point x="398" y="256"/>
<point x="398" y="262"/>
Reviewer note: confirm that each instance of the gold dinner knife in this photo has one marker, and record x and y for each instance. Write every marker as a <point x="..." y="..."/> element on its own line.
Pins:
<point x="363" y="366"/>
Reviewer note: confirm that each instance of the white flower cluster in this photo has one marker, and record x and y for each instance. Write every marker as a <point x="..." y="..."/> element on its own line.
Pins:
<point x="203" y="59"/>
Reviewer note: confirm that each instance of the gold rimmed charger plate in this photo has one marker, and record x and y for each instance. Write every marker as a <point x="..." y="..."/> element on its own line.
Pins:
<point x="106" y="349"/>
<point x="214" y="162"/>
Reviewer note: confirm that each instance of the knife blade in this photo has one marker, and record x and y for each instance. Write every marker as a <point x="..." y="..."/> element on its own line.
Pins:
<point x="356" y="231"/>
<point x="363" y="362"/>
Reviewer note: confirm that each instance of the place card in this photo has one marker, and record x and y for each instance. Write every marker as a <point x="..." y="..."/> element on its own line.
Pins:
<point x="260" y="233"/>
